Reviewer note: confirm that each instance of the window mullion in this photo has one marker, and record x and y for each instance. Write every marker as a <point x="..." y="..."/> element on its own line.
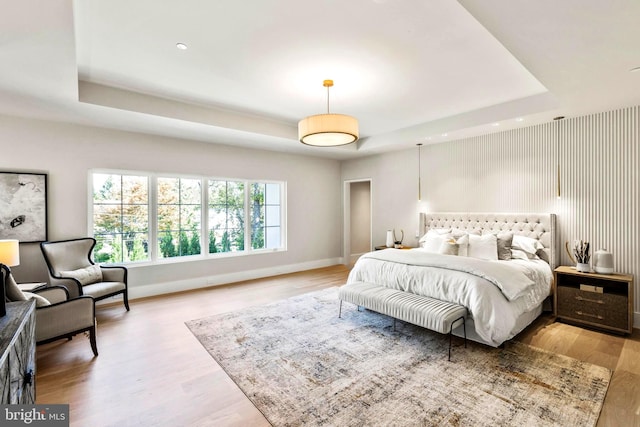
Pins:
<point x="204" y="216"/>
<point x="153" y="217"/>
<point x="247" y="216"/>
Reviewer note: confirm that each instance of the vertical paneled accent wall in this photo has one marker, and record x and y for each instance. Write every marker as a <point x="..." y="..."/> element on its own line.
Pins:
<point x="517" y="171"/>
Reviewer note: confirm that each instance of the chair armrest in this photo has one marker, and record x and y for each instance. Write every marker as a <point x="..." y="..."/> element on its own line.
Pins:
<point x="65" y="317"/>
<point x="114" y="274"/>
<point x="53" y="294"/>
<point x="72" y="285"/>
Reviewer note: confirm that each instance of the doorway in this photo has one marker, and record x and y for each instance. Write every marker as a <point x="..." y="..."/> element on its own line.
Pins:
<point x="357" y="220"/>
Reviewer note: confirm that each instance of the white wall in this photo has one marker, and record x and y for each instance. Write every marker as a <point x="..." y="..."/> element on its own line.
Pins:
<point x="67" y="152"/>
<point x="516" y="171"/>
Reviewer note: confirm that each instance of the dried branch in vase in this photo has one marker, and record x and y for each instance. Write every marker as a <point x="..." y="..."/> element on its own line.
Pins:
<point x="581" y="251"/>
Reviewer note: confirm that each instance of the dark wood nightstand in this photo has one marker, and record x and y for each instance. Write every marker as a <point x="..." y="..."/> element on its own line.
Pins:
<point x="602" y="301"/>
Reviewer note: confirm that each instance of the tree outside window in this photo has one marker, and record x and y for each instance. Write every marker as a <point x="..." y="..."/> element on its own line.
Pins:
<point x="120" y="218"/>
<point x="179" y="217"/>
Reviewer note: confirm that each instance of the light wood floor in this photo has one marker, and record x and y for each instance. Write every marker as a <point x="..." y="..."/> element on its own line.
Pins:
<point x="152" y="371"/>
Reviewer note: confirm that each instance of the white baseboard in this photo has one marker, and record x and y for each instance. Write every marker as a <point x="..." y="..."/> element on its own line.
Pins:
<point x="222" y="279"/>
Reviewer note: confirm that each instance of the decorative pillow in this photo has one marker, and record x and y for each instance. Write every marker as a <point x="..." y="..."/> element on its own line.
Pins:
<point x="527" y="244"/>
<point x="463" y="245"/>
<point x="434" y="232"/>
<point x="40" y="300"/>
<point x="14" y="293"/>
<point x="448" y="247"/>
<point x="518" y="254"/>
<point x="11" y="290"/>
<point x="504" y="241"/>
<point x="86" y="276"/>
<point x="483" y="247"/>
<point x="432" y="240"/>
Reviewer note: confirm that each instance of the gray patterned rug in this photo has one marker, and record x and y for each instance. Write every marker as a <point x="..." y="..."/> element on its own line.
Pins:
<point x="302" y="365"/>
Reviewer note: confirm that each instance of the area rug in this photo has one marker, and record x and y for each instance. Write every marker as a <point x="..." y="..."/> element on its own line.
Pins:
<point x="301" y="365"/>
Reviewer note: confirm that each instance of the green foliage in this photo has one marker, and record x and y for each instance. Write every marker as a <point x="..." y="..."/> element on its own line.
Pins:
<point x="226" y="243"/>
<point x="121" y="206"/>
<point x="212" y="242"/>
<point x="167" y="248"/>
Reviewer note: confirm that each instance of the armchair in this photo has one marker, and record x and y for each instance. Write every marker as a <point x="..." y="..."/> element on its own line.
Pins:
<point x="70" y="265"/>
<point x="57" y="316"/>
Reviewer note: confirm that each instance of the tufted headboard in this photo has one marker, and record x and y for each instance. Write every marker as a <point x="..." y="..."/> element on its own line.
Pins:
<point x="536" y="225"/>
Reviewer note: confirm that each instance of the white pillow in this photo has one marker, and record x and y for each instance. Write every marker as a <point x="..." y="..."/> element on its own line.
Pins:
<point x="434" y="232"/>
<point x="463" y="245"/>
<point x="86" y="276"/>
<point x="527" y="244"/>
<point x="518" y="254"/>
<point x="483" y="247"/>
<point x="432" y="242"/>
<point x="448" y="247"/>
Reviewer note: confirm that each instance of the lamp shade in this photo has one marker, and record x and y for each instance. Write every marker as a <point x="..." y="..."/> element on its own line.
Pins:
<point x="9" y="252"/>
<point x="328" y="130"/>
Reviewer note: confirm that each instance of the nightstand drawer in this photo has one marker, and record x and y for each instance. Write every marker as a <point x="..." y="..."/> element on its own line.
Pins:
<point x="601" y="308"/>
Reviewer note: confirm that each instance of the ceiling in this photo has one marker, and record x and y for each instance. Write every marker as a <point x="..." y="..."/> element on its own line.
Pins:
<point x="411" y="71"/>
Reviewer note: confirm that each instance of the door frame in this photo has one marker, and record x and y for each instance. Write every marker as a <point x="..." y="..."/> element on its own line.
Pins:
<point x="346" y="217"/>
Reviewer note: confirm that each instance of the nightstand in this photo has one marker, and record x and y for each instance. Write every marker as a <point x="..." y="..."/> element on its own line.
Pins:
<point x="602" y="301"/>
<point x="379" y="248"/>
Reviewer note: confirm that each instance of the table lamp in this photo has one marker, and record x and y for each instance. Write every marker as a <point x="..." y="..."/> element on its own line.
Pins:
<point x="9" y="257"/>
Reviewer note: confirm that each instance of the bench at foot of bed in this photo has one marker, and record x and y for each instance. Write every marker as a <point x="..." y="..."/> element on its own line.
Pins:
<point x="430" y="313"/>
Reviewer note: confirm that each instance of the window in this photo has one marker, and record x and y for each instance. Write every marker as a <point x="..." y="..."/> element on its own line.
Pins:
<point x="184" y="216"/>
<point x="120" y="217"/>
<point x="226" y="216"/>
<point x="179" y="216"/>
<point x="265" y="215"/>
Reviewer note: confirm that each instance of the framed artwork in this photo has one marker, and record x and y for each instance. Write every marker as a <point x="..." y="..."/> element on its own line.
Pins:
<point x="23" y="206"/>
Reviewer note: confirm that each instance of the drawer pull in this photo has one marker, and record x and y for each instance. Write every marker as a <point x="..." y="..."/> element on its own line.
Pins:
<point x="597" y="316"/>
<point x="597" y="301"/>
<point x="28" y="377"/>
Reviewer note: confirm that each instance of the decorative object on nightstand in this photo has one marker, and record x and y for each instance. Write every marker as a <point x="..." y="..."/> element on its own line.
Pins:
<point x="581" y="251"/>
<point x="397" y="243"/>
<point x="389" y="239"/>
<point x="602" y="301"/>
<point x="10" y="257"/>
<point x="603" y="261"/>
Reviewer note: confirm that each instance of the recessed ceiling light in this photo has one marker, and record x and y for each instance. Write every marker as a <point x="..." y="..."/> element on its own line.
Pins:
<point x="519" y="119"/>
<point x="495" y="124"/>
<point x="635" y="70"/>
<point x="428" y="138"/>
<point x="445" y="134"/>
<point x="181" y="46"/>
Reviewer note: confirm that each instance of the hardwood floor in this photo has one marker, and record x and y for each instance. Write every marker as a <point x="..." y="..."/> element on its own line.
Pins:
<point x="152" y="371"/>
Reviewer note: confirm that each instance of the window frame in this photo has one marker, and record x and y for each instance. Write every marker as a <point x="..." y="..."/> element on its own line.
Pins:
<point x="153" y="220"/>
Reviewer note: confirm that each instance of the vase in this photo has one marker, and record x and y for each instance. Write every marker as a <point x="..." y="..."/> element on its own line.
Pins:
<point x="603" y="262"/>
<point x="583" y="267"/>
<point x="389" y="238"/>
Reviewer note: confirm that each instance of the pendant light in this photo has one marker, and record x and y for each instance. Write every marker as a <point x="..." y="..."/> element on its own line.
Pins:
<point x="419" y="173"/>
<point x="557" y="126"/>
<point x="328" y="130"/>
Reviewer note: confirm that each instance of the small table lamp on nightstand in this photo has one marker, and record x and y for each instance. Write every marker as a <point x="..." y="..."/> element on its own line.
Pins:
<point x="9" y="257"/>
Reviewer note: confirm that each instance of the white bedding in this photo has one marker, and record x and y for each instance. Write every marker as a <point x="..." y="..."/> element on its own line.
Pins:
<point x="473" y="283"/>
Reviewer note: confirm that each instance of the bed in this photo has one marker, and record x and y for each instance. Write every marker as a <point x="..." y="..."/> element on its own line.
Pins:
<point x="497" y="265"/>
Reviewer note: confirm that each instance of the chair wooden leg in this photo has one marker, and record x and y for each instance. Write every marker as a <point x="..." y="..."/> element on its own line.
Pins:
<point x="125" y="299"/>
<point x="92" y="340"/>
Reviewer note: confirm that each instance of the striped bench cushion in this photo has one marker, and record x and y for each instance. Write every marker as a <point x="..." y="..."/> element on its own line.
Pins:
<point x="423" y="311"/>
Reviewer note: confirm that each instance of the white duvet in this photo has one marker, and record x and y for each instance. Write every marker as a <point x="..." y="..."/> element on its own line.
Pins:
<point x="496" y="293"/>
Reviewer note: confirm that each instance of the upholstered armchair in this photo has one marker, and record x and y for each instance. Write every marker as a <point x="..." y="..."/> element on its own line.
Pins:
<point x="70" y="265"/>
<point x="57" y="316"/>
